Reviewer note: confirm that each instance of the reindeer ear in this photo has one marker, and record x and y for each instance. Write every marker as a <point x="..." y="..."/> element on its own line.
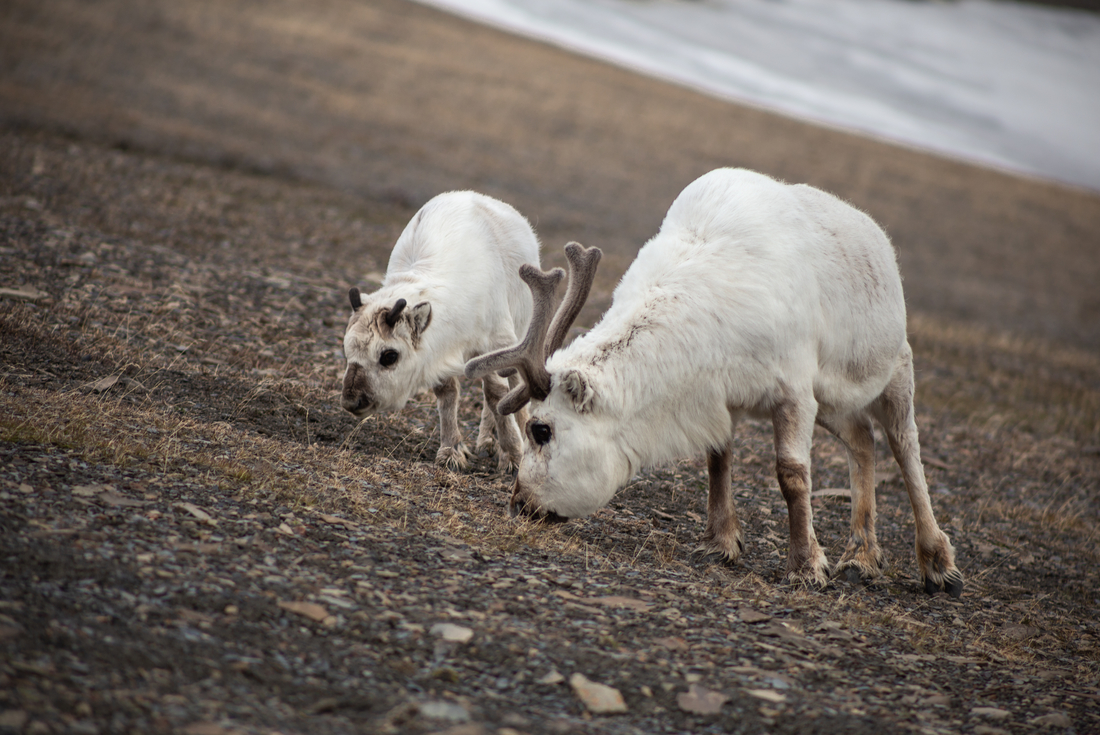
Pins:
<point x="355" y="298"/>
<point x="578" y="389"/>
<point x="420" y="316"/>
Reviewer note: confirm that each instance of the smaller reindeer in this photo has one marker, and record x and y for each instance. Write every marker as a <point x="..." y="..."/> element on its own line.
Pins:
<point x="457" y="264"/>
<point x="755" y="299"/>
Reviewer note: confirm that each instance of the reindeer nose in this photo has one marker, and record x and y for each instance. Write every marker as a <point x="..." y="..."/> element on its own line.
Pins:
<point x="357" y="403"/>
<point x="521" y="505"/>
<point x="517" y="505"/>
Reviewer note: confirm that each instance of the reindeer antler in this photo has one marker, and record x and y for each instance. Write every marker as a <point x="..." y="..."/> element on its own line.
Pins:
<point x="543" y="336"/>
<point x="582" y="271"/>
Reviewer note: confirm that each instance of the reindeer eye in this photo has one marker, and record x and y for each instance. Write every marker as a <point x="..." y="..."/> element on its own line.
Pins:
<point x="540" y="433"/>
<point x="388" y="358"/>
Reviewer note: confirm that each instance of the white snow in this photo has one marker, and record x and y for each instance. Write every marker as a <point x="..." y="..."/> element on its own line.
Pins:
<point x="995" y="82"/>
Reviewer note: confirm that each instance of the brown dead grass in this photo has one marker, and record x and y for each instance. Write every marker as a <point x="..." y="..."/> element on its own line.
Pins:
<point x="1001" y="380"/>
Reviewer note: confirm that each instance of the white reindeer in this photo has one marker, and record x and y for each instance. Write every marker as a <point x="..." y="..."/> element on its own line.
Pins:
<point x="755" y="298"/>
<point x="458" y="263"/>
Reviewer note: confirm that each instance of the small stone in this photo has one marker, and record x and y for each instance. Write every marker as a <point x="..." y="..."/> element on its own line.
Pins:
<point x="90" y="491"/>
<point x="195" y="511"/>
<point x="992" y="713"/>
<point x="119" y="501"/>
<point x="310" y="610"/>
<point x="768" y="695"/>
<point x="552" y="678"/>
<point x="23" y="293"/>
<point x="701" y="701"/>
<point x="449" y="711"/>
<point x="104" y="384"/>
<point x="599" y="699"/>
<point x="1054" y="719"/>
<point x="672" y="643"/>
<point x="748" y="615"/>
<point x="452" y="632"/>
<point x="26" y="489"/>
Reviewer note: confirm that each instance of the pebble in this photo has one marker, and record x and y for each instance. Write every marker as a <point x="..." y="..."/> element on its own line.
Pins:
<point x="701" y="701"/>
<point x="599" y="699"/>
<point x="449" y="711"/>
<point x="452" y="632"/>
<point x="992" y="713"/>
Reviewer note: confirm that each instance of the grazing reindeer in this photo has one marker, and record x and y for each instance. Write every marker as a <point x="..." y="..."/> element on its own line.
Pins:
<point x="457" y="262"/>
<point x="755" y="298"/>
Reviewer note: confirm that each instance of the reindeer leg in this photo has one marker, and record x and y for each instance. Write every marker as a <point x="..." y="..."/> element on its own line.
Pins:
<point x="862" y="559"/>
<point x="452" y="452"/>
<point x="486" y="431"/>
<point x="894" y="410"/>
<point x="793" y="422"/>
<point x="723" y="537"/>
<point x="510" y="443"/>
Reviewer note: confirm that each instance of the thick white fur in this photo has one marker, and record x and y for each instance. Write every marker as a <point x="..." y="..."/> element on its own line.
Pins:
<point x="461" y="255"/>
<point x="751" y="289"/>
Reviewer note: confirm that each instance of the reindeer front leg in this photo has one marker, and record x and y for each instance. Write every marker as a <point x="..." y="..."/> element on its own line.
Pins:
<point x="793" y="422"/>
<point x="452" y="452"/>
<point x="723" y="537"/>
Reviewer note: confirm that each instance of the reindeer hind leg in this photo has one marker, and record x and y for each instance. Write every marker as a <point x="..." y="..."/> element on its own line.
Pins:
<point x="862" y="559"/>
<point x="509" y="441"/>
<point x="894" y="410"/>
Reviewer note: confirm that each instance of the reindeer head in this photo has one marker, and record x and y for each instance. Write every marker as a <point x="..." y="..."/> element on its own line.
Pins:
<point x="568" y="468"/>
<point x="381" y="344"/>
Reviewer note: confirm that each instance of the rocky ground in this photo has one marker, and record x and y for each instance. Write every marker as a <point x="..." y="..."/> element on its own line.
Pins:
<point x="196" y="539"/>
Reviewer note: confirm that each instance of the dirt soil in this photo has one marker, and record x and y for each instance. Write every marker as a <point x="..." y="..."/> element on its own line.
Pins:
<point x="195" y="538"/>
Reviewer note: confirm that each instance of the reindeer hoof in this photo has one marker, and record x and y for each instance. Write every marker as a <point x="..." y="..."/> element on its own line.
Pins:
<point x="859" y="574"/>
<point x="816" y="576"/>
<point x="812" y="580"/>
<point x="704" y="555"/>
<point x="453" y="458"/>
<point x="712" y="552"/>
<point x="952" y="584"/>
<point x="486" y="447"/>
<point x="506" y="466"/>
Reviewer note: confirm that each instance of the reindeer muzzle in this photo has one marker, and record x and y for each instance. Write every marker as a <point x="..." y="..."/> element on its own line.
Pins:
<point x="522" y="505"/>
<point x="356" y="397"/>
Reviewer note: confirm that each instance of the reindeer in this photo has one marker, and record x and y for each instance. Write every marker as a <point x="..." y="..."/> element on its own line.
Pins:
<point x="755" y="298"/>
<point x="457" y="262"/>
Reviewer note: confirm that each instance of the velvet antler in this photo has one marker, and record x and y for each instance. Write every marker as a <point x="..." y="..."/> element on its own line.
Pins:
<point x="547" y="330"/>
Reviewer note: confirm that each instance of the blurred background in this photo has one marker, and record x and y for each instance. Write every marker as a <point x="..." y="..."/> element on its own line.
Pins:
<point x="995" y="210"/>
<point x="1007" y="84"/>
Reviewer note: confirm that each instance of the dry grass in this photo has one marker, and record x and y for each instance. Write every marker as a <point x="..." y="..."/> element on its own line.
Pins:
<point x="419" y="498"/>
<point x="1004" y="381"/>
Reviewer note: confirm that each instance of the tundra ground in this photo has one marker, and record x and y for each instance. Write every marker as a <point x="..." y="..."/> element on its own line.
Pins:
<point x="197" y="539"/>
